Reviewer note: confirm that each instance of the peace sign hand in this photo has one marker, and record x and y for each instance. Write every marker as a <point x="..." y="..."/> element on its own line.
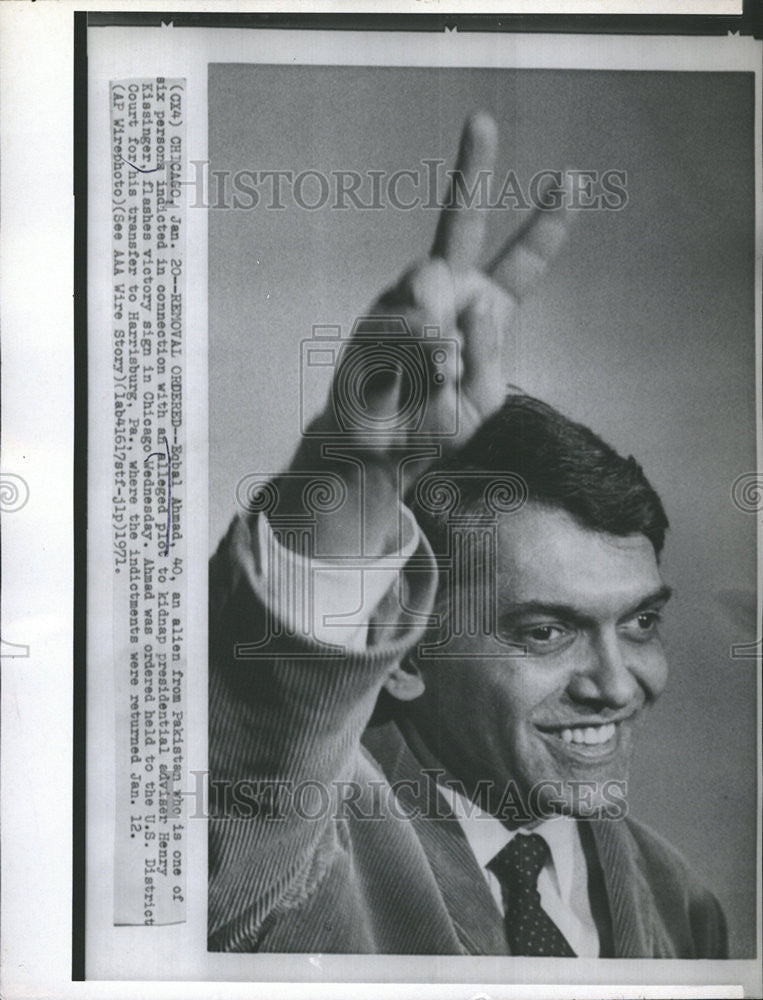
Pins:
<point x="471" y="308"/>
<point x="380" y="372"/>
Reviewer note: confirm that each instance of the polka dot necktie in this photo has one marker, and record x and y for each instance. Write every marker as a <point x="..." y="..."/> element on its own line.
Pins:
<point x="529" y="929"/>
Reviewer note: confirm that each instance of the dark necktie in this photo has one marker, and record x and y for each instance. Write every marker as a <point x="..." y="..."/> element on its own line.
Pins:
<point x="529" y="929"/>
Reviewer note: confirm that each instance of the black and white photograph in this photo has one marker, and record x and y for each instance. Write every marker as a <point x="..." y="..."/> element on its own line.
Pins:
<point x="482" y="381"/>
<point x="381" y="501"/>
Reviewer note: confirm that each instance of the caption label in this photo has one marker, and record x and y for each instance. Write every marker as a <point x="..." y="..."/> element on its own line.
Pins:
<point x="148" y="501"/>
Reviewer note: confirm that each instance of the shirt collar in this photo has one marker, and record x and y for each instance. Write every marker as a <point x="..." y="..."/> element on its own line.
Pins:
<point x="486" y="836"/>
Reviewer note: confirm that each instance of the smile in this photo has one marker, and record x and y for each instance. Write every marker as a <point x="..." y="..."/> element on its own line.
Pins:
<point x="589" y="735"/>
<point x="589" y="742"/>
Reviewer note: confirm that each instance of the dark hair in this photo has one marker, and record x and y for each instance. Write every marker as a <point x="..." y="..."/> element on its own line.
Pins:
<point x="549" y="459"/>
<point x="530" y="451"/>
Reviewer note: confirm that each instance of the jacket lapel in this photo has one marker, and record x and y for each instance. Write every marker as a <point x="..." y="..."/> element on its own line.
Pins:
<point x="476" y="918"/>
<point x="630" y="900"/>
<point x="462" y="884"/>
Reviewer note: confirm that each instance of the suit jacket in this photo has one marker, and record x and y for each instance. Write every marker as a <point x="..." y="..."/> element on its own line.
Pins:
<point x="321" y="842"/>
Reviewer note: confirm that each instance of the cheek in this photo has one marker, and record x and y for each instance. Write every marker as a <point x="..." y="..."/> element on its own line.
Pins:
<point x="482" y="697"/>
<point x="517" y="686"/>
<point x="651" y="669"/>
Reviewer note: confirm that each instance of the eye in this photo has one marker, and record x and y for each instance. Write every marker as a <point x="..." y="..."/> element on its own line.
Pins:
<point x="542" y="633"/>
<point x="643" y="626"/>
<point x="545" y="637"/>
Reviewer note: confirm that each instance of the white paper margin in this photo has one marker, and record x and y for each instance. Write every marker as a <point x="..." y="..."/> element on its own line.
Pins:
<point x="36" y="59"/>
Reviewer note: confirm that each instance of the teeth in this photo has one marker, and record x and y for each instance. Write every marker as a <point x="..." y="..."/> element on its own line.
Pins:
<point x="589" y="735"/>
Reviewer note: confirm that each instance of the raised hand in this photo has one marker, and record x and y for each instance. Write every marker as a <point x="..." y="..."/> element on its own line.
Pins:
<point x="424" y="367"/>
<point x="470" y="306"/>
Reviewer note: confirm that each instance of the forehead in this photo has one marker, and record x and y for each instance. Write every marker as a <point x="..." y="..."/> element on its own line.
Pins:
<point x="545" y="555"/>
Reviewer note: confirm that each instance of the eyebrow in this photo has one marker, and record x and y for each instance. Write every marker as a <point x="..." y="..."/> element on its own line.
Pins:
<point x="566" y="611"/>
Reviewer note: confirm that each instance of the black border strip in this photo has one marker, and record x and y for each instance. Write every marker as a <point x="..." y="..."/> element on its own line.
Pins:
<point x="750" y="22"/>
<point x="79" y="692"/>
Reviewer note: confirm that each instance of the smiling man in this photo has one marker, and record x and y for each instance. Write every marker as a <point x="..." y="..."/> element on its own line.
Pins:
<point x="422" y="715"/>
<point x="578" y="594"/>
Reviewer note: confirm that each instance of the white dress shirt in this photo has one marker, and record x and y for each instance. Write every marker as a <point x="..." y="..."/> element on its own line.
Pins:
<point x="563" y="881"/>
<point x="342" y="601"/>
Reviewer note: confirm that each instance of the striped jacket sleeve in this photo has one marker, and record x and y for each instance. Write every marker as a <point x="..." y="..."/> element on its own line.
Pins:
<point x="285" y="719"/>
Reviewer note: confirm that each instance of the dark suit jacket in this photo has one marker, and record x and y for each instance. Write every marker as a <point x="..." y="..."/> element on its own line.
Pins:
<point x="374" y="863"/>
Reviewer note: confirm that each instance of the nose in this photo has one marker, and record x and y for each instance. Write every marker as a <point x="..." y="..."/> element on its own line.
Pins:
<point x="605" y="679"/>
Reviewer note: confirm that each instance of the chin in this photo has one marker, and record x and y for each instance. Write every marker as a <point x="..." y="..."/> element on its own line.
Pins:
<point x="587" y="793"/>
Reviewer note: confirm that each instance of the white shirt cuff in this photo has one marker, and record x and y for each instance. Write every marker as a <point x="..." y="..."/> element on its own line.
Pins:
<point x="331" y="600"/>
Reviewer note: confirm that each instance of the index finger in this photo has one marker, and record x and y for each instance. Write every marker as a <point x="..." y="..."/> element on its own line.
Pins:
<point x="461" y="226"/>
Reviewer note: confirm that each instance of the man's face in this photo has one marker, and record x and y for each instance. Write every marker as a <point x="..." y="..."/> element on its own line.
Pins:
<point x="586" y="607"/>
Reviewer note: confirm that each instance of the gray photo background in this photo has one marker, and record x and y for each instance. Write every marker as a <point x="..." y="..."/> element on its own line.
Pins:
<point x="644" y="330"/>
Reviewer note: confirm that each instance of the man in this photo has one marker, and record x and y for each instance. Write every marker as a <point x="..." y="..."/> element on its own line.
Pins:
<point x="420" y="726"/>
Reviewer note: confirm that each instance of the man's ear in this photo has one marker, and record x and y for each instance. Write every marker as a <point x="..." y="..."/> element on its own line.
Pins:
<point x="404" y="682"/>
